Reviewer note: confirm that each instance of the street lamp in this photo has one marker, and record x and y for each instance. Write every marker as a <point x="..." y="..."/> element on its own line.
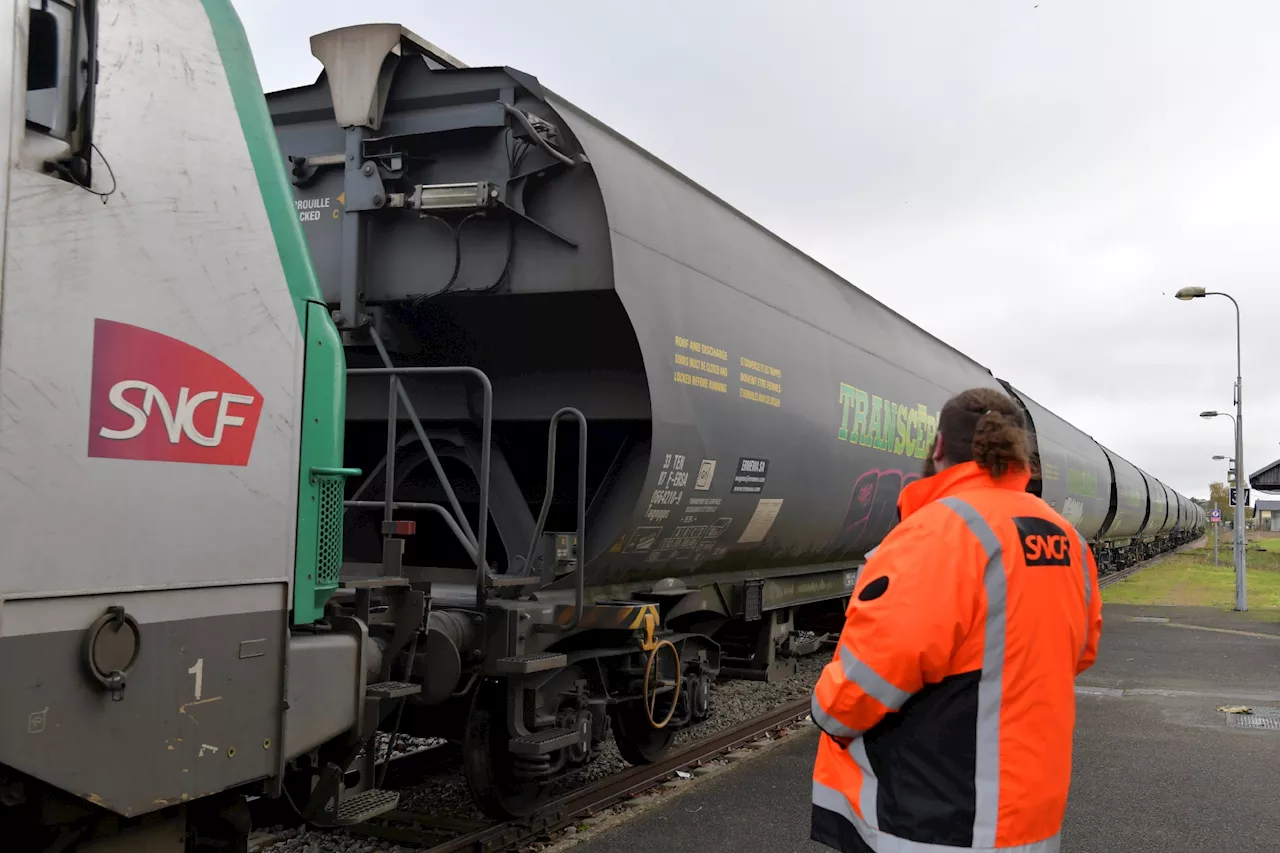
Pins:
<point x="1238" y="523"/>
<point x="1186" y="294"/>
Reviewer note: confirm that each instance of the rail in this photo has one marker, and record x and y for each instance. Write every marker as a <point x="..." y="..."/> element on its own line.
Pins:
<point x="474" y="542"/>
<point x="1110" y="578"/>
<point x="599" y="795"/>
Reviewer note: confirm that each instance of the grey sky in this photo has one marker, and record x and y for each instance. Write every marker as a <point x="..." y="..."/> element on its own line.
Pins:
<point x="1029" y="183"/>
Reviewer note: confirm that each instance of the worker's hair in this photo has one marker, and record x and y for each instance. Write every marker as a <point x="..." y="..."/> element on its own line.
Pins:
<point x="984" y="426"/>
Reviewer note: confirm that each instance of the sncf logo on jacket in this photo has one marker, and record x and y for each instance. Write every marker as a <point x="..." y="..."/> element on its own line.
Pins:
<point x="949" y="705"/>
<point x="157" y="398"/>
<point x="1043" y="542"/>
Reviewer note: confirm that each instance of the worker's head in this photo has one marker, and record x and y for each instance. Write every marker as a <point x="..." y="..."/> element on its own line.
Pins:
<point x="980" y="425"/>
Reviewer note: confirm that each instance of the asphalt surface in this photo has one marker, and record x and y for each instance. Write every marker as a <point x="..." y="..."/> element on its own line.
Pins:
<point x="1157" y="768"/>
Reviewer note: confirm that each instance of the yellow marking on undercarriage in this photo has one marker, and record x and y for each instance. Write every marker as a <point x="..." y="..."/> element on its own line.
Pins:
<point x="650" y="619"/>
<point x="645" y="611"/>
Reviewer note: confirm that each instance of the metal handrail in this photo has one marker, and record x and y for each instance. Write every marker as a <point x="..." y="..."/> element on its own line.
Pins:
<point x="478" y="539"/>
<point x="436" y="508"/>
<point x="580" y="583"/>
<point x="417" y="423"/>
<point x="320" y="471"/>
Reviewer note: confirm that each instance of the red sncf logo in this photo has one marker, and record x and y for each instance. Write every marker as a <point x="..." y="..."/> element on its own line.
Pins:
<point x="1043" y="542"/>
<point x="1053" y="547"/>
<point x="154" y="397"/>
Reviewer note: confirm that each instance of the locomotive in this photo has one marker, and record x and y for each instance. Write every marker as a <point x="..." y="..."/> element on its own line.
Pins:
<point x="413" y="400"/>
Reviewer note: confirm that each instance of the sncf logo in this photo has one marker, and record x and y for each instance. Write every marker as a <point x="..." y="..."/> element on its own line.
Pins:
<point x="1043" y="542"/>
<point x="154" y="397"/>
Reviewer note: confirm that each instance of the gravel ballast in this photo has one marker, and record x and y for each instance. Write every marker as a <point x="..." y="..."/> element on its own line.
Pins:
<point x="446" y="795"/>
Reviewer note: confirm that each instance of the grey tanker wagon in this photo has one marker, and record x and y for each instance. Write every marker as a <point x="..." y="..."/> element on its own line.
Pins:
<point x="413" y="400"/>
<point x="1125" y="514"/>
<point x="750" y="416"/>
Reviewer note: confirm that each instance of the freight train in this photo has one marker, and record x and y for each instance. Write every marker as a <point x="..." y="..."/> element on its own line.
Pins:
<point x="413" y="400"/>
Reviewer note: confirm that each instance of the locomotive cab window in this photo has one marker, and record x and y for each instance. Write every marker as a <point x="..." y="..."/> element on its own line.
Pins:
<point x="60" y="75"/>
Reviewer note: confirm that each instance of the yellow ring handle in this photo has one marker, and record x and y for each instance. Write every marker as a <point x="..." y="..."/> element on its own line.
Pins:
<point x="644" y="685"/>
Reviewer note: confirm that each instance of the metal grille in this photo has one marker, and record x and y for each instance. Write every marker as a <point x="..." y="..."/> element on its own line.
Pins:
<point x="1261" y="718"/>
<point x="329" y="549"/>
<point x="367" y="804"/>
<point x="753" y="603"/>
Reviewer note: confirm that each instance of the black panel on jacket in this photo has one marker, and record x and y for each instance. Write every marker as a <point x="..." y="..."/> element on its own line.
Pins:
<point x="924" y="759"/>
<point x="874" y="590"/>
<point x="831" y="829"/>
<point x="1043" y="542"/>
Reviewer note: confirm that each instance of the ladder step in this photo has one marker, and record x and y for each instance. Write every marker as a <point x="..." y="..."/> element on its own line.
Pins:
<point x="392" y="689"/>
<point x="383" y="582"/>
<point x="544" y="742"/>
<point x="526" y="664"/>
<point x="365" y="805"/>
<point x="502" y="581"/>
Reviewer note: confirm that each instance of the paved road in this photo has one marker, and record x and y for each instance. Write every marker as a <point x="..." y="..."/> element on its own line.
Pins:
<point x="1157" y="768"/>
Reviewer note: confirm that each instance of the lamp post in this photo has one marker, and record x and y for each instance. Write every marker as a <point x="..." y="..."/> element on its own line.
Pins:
<point x="1237" y="548"/>
<point x="1186" y="294"/>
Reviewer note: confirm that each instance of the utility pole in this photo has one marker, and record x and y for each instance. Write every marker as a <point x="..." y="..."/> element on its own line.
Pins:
<point x="1215" y="537"/>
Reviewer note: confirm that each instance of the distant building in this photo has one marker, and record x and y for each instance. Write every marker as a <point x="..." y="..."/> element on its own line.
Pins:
<point x="1267" y="478"/>
<point x="1266" y="515"/>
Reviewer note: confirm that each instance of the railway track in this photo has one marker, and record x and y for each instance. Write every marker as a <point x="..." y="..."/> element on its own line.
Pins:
<point x="1115" y="577"/>
<point x="425" y="830"/>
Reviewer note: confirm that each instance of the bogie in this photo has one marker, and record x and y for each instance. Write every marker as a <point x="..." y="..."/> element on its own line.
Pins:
<point x="524" y="731"/>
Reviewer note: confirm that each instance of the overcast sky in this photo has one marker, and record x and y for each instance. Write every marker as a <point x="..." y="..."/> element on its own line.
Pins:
<point x="1030" y="183"/>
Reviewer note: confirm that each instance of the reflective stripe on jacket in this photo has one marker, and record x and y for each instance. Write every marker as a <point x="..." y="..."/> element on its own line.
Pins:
<point x="949" y="704"/>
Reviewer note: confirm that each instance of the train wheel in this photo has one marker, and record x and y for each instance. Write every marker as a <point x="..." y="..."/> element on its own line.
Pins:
<point x="640" y="727"/>
<point x="491" y="771"/>
<point x="638" y="741"/>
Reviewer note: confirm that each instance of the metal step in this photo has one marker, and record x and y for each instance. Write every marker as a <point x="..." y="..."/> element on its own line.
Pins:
<point x="392" y="689"/>
<point x="526" y="664"/>
<point x="365" y="805"/>
<point x="800" y="648"/>
<point x="544" y="742"/>
<point x="382" y="582"/>
<point x="504" y="581"/>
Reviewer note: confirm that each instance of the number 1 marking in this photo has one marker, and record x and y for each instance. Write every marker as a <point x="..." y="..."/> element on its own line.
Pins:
<point x="198" y="672"/>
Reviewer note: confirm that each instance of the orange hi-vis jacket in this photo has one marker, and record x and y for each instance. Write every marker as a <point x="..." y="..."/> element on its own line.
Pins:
<point x="949" y="705"/>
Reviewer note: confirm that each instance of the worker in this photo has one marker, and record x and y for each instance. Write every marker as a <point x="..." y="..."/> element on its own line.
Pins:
<point x="948" y="707"/>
